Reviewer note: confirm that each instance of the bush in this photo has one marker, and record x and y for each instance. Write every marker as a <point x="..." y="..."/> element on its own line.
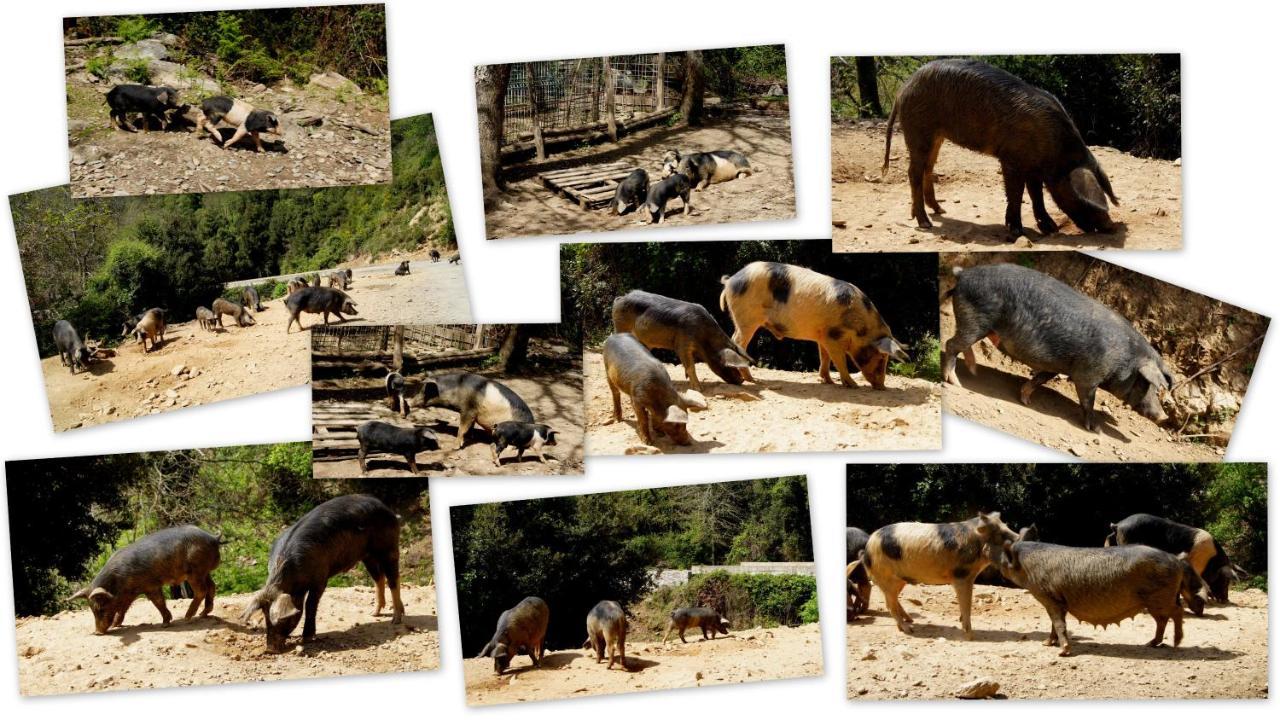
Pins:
<point x="133" y="28"/>
<point x="925" y="362"/>
<point x="99" y="66"/>
<point x="138" y="71"/>
<point x="258" y="66"/>
<point x="745" y="600"/>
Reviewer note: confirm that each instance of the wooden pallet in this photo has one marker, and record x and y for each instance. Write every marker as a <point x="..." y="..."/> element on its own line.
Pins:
<point x="333" y="425"/>
<point x="591" y="186"/>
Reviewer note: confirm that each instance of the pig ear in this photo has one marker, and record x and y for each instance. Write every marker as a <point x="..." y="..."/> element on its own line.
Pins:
<point x="733" y="358"/>
<point x="892" y="348"/>
<point x="1183" y="556"/>
<point x="694" y="400"/>
<point x="1087" y="189"/>
<point x="79" y="594"/>
<point x="282" y="608"/>
<point x="676" y="414"/>
<point x="100" y="594"/>
<point x="1154" y="375"/>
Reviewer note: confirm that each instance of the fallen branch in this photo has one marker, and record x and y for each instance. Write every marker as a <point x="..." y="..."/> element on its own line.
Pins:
<point x="1207" y="368"/>
<point x="104" y="40"/>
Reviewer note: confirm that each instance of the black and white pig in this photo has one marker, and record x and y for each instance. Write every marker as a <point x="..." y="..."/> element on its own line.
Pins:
<point x="150" y="102"/>
<point x="240" y="115"/>
<point x="521" y="436"/>
<point x="631" y="192"/>
<point x="477" y="400"/>
<point x="1203" y="551"/>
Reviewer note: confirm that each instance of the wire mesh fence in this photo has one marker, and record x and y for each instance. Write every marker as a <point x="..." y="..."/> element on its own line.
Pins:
<point x="419" y="340"/>
<point x="566" y="95"/>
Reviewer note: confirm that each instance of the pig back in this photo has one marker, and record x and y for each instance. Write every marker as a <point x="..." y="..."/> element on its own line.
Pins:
<point x="526" y="624"/>
<point x="332" y="538"/>
<point x="1100" y="585"/>
<point x="165" y="557"/>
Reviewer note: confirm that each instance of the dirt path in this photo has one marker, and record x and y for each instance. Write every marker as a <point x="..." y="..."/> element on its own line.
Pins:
<point x="1053" y="418"/>
<point x="1223" y="655"/>
<point x="554" y="399"/>
<point x="529" y="209"/>
<point x="877" y="213"/>
<point x="60" y="654"/>
<point x="235" y="362"/>
<point x="744" y="656"/>
<point x="790" y="412"/>
<point x="351" y="145"/>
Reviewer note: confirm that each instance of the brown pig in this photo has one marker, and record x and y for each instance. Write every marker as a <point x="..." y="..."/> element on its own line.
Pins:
<point x="683" y="327"/>
<point x="913" y="553"/>
<point x="630" y="368"/>
<point x="795" y="302"/>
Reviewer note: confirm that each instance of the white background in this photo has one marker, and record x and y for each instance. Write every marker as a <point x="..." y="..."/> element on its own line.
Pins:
<point x="1230" y="220"/>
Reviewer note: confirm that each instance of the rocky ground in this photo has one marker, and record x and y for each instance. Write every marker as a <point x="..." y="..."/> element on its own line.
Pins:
<point x="1223" y="653"/>
<point x="331" y="132"/>
<point x="60" y="654"/>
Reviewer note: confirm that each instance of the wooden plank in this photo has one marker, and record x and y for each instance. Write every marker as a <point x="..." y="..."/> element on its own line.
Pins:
<point x="609" y="102"/>
<point x="570" y="173"/>
<point x="595" y="176"/>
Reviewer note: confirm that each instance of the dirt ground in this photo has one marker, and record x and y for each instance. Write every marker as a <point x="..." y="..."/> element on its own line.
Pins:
<point x="529" y="209"/>
<point x="1223" y="653"/>
<point x="235" y="362"/>
<point x="789" y="412"/>
<point x="876" y="213"/>
<point x="351" y="145"/>
<point x="60" y="654"/>
<point x="743" y="656"/>
<point x="555" y="400"/>
<point x="1053" y="418"/>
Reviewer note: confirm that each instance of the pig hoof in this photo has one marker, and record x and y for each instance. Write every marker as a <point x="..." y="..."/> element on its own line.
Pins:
<point x="1066" y="652"/>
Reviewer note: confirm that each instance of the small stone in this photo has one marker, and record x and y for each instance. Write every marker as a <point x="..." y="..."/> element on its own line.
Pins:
<point x="177" y="370"/>
<point x="983" y="687"/>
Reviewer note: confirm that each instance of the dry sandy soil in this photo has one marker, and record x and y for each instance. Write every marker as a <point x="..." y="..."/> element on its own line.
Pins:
<point x="744" y="656"/>
<point x="60" y="654"/>
<point x="789" y="412"/>
<point x="350" y="146"/>
<point x="1053" y="418"/>
<point x="235" y="362"/>
<point x="529" y="209"/>
<point x="1223" y="653"/>
<point x="555" y="400"/>
<point x="876" y="213"/>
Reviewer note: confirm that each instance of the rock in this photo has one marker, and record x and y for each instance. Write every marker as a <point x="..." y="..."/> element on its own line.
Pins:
<point x="697" y="675"/>
<point x="983" y="687"/>
<point x="413" y="221"/>
<point x="149" y="49"/>
<point x="305" y="118"/>
<point x="334" y="81"/>
<point x="85" y="154"/>
<point x="178" y="370"/>
<point x="868" y="653"/>
<point x="171" y="393"/>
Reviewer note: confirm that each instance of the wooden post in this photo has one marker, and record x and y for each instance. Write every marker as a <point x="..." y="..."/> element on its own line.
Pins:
<point x="595" y="103"/>
<point x="479" y="342"/>
<point x="660" y="101"/>
<point x="397" y="359"/>
<point x="535" y="102"/>
<point x="610" y="116"/>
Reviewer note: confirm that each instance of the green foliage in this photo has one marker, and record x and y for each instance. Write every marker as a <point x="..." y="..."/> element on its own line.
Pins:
<point x="1128" y="101"/>
<point x="746" y="600"/>
<point x="179" y="251"/>
<point x="99" y="65"/>
<point x="903" y="287"/>
<point x="96" y="505"/>
<point x="228" y="37"/>
<point x="1071" y="504"/>
<point x="925" y="362"/>
<point x="574" y="551"/>
<point x="743" y="71"/>
<point x="133" y="28"/>
<point x="138" y="71"/>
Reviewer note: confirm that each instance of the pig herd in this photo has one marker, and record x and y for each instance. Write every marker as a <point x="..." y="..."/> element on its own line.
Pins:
<point x="682" y="174"/>
<point x="787" y="300"/>
<point x="478" y="400"/>
<point x="522" y="630"/>
<point x="329" y="540"/>
<point x="1147" y="564"/>
<point x="161" y="104"/>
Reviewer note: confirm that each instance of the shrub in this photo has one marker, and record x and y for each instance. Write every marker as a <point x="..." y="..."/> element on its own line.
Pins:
<point x="100" y="65"/>
<point x="138" y="71"/>
<point x="133" y="28"/>
<point x="746" y="600"/>
<point x="925" y="362"/>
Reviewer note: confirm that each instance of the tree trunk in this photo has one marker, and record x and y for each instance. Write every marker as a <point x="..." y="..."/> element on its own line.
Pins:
<point x="694" y="86"/>
<point x="660" y="92"/>
<point x="611" y="116"/>
<point x="397" y="357"/>
<point x="491" y="100"/>
<point x="868" y="88"/>
<point x="535" y="102"/>
<point x="514" y="350"/>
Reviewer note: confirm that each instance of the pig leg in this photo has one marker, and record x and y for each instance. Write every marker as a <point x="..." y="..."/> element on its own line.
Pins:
<point x="413" y="463"/>
<point x="824" y="364"/>
<point x="1047" y="226"/>
<point x="1177" y="624"/>
<point x="380" y="581"/>
<point x="964" y="595"/>
<point x="690" y="371"/>
<point x="1087" y="394"/>
<point x="1030" y="386"/>
<point x="465" y="422"/>
<point x="197" y="596"/>
<point x="209" y="589"/>
<point x="360" y="456"/>
<point x="961" y="342"/>
<point x="1058" y="634"/>
<point x="891" y="587"/>
<point x="919" y="149"/>
<point x="496" y="452"/>
<point x="1161" y="622"/>
<point x="642" y="423"/>
<point x="837" y="355"/>
<point x="157" y="598"/>
<point x="237" y="137"/>
<point x="617" y="403"/>
<point x="688" y="205"/>
<point x="312" y="607"/>
<point x="1014" y="184"/>
<point x="257" y="141"/>
<point x="930" y="178"/>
